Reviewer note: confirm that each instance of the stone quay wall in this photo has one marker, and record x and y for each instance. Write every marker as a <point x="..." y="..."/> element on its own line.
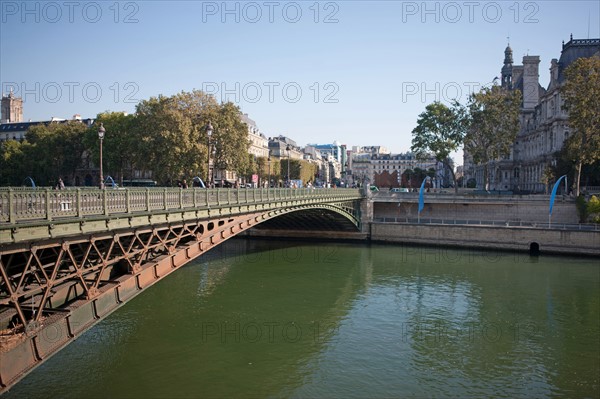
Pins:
<point x="509" y="209"/>
<point x="522" y="239"/>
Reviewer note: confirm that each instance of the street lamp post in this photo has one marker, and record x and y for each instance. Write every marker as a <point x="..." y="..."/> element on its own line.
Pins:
<point x="209" y="130"/>
<point x="288" y="148"/>
<point x="257" y="171"/>
<point x="101" y="132"/>
<point x="269" y="166"/>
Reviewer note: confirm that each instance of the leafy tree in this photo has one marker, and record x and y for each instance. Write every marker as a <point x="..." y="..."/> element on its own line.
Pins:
<point x="230" y="138"/>
<point x="308" y="171"/>
<point x="547" y="177"/>
<point x="300" y="170"/>
<point x="440" y="130"/>
<point x="15" y="164"/>
<point x="581" y="94"/>
<point x="57" y="150"/>
<point x="284" y="168"/>
<point x="174" y="141"/>
<point x="275" y="174"/>
<point x="171" y="135"/>
<point x="119" y="144"/>
<point x="261" y="168"/>
<point x="492" y="123"/>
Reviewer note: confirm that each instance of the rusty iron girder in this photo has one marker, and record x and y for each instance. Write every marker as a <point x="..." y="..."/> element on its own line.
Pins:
<point x="70" y="284"/>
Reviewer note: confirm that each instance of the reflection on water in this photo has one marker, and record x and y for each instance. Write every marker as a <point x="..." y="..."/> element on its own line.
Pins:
<point x="273" y="319"/>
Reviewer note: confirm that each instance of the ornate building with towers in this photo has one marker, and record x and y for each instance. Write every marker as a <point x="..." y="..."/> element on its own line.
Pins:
<point x="543" y="121"/>
<point x="11" y="109"/>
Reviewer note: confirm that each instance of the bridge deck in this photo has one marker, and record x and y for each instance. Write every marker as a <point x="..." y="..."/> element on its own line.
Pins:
<point x="29" y="210"/>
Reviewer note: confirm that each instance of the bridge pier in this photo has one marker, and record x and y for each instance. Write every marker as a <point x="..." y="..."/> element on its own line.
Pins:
<point x="366" y="212"/>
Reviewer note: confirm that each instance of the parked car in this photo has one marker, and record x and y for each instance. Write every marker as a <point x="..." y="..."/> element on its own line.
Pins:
<point x="399" y="190"/>
<point x="374" y="188"/>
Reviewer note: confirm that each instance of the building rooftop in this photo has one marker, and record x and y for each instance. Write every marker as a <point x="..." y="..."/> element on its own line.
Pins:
<point x="24" y="126"/>
<point x="574" y="49"/>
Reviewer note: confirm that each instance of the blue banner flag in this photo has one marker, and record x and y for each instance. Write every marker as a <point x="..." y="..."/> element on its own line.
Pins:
<point x="554" y="193"/>
<point x="421" y="199"/>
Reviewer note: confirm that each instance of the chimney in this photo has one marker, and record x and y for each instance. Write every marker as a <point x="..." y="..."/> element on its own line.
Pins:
<point x="531" y="92"/>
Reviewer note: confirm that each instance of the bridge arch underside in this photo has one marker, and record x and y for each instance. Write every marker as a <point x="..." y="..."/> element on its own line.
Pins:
<point x="66" y="285"/>
<point x="314" y="218"/>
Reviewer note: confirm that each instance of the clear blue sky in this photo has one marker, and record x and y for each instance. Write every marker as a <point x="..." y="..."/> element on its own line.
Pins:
<point x="354" y="71"/>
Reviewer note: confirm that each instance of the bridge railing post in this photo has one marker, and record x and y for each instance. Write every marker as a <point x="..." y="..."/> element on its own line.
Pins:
<point x="78" y="200"/>
<point x="11" y="206"/>
<point x="165" y="205"/>
<point x="105" y="202"/>
<point x="128" y="201"/>
<point x="48" y="209"/>
<point x="147" y="199"/>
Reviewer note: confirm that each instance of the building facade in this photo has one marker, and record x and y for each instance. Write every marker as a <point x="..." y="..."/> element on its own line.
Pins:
<point x="258" y="144"/>
<point x="389" y="169"/>
<point x="278" y="147"/>
<point x="11" y="109"/>
<point x="543" y="121"/>
<point x="18" y="130"/>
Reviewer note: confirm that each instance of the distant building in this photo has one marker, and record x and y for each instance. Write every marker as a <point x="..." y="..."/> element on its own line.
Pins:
<point x="336" y="158"/>
<point x="278" y="146"/>
<point x="373" y="150"/>
<point x="543" y="121"/>
<point x="258" y="143"/>
<point x="11" y="109"/>
<point x="335" y="150"/>
<point x="18" y="130"/>
<point x="314" y="156"/>
<point x="389" y="169"/>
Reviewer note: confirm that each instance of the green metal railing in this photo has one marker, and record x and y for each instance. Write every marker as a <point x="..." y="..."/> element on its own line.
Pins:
<point x="30" y="205"/>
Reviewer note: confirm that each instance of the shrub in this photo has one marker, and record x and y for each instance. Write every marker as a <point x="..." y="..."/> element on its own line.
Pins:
<point x="593" y="209"/>
<point x="582" y="208"/>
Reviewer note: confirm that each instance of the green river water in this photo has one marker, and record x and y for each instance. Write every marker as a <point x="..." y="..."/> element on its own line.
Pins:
<point x="289" y="319"/>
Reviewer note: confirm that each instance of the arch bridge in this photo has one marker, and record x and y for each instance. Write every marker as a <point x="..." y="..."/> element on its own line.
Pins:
<point x="68" y="258"/>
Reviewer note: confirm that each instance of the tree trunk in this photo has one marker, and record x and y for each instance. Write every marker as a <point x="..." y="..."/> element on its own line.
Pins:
<point x="453" y="177"/>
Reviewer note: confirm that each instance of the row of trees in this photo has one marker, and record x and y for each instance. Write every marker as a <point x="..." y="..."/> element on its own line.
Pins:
<point x="166" y="136"/>
<point x="488" y="123"/>
<point x="277" y="169"/>
<point x="486" y="126"/>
